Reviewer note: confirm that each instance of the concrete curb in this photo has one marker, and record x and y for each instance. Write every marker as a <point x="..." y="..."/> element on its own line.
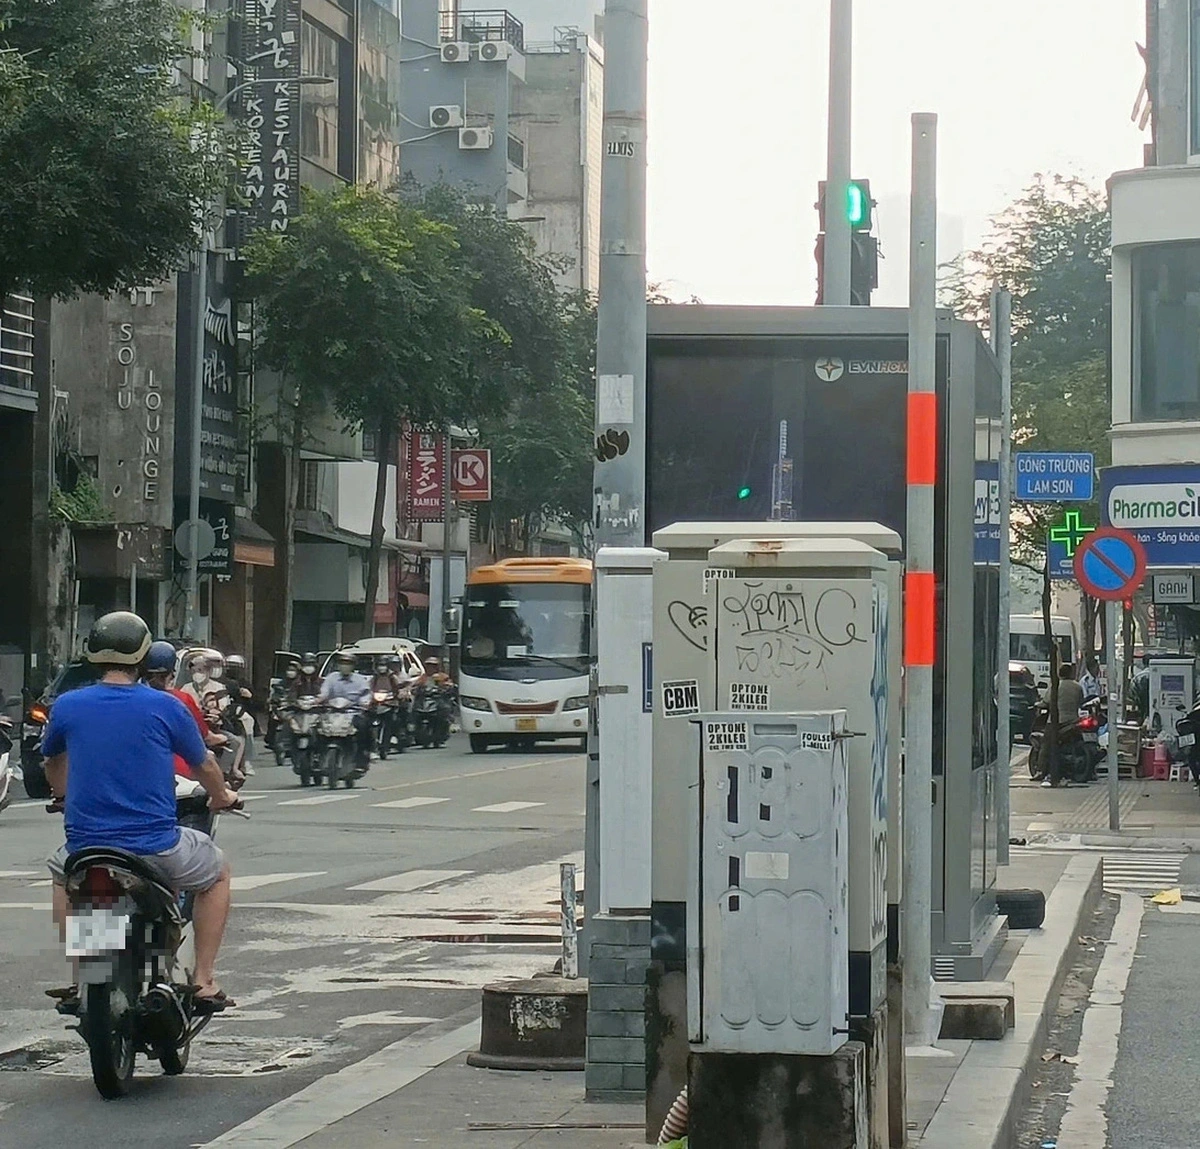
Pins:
<point x="990" y="1089"/>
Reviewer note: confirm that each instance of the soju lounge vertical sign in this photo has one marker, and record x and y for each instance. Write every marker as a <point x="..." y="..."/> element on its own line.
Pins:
<point x="270" y="106"/>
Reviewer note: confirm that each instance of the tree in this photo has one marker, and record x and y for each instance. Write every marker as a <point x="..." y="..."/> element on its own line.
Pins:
<point x="1051" y="249"/>
<point x="541" y="438"/>
<point x="364" y="304"/>
<point x="102" y="173"/>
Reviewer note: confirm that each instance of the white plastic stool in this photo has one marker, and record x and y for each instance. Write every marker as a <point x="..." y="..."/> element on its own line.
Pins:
<point x="1180" y="772"/>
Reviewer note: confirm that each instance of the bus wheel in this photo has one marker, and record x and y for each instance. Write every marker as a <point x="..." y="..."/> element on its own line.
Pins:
<point x="479" y="744"/>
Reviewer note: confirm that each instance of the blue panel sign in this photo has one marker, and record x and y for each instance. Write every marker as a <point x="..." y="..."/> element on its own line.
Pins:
<point x="1061" y="567"/>
<point x="1054" y="477"/>
<point x="647" y="678"/>
<point x="1160" y="506"/>
<point x="987" y="514"/>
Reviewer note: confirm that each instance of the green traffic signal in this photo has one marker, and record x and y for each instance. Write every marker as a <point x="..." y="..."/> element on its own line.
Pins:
<point x="744" y="493"/>
<point x="858" y="206"/>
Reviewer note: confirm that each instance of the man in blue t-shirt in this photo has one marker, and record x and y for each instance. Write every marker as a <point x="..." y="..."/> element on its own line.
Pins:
<point x="110" y="754"/>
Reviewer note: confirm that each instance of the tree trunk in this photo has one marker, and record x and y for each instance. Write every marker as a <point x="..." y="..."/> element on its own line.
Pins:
<point x="1052" y="767"/>
<point x="375" y="552"/>
<point x="1091" y="612"/>
<point x="291" y="498"/>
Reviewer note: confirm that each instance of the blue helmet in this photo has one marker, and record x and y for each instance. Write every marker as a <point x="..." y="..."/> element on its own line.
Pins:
<point x="161" y="657"/>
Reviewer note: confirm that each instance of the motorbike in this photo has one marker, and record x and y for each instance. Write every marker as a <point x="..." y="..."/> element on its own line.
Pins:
<point x="1188" y="728"/>
<point x="299" y="738"/>
<point x="1079" y="751"/>
<point x="433" y="711"/>
<point x="8" y="771"/>
<point x="382" y="713"/>
<point x="338" y="744"/>
<point x="130" y="936"/>
<point x="32" y="728"/>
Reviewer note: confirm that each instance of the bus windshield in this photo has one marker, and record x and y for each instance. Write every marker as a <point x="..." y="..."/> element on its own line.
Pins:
<point x="1036" y="648"/>
<point x="531" y="626"/>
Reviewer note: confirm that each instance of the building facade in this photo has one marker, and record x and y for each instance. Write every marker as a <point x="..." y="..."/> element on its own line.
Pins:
<point x="1151" y="485"/>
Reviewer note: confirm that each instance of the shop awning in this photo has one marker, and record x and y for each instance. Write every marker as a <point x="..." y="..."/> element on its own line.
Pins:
<point x="349" y="538"/>
<point x="252" y="545"/>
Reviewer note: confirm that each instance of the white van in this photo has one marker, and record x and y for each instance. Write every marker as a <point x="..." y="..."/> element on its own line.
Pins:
<point x="1027" y="643"/>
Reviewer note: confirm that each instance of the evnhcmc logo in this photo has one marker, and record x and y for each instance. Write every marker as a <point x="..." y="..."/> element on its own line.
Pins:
<point x="1154" y="505"/>
<point x="830" y="369"/>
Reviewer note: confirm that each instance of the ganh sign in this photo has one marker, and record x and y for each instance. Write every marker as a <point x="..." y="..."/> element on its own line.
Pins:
<point x="1054" y="477"/>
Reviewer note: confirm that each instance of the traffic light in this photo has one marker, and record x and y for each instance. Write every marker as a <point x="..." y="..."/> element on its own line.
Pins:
<point x="858" y="207"/>
<point x="864" y="268"/>
<point x="744" y="493"/>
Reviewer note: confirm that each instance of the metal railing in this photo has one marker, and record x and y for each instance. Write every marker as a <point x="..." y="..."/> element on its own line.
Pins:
<point x="16" y="342"/>
<point x="484" y="24"/>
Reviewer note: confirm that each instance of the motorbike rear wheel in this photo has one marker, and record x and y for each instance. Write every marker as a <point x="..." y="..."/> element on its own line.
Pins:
<point x="333" y="767"/>
<point x="174" y="1059"/>
<point x="108" y="1029"/>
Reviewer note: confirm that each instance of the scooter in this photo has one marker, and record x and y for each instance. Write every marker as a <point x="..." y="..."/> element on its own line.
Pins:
<point x="433" y="711"/>
<point x="1078" y="746"/>
<point x="1188" y="729"/>
<point x="383" y="721"/>
<point x="338" y="744"/>
<point x="298" y="737"/>
<point x="129" y="935"/>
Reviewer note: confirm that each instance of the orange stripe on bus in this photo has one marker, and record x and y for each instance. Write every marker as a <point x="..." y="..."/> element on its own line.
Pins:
<point x="922" y="439"/>
<point x="920" y="615"/>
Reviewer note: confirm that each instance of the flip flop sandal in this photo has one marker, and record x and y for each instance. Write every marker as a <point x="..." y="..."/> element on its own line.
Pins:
<point x="212" y="1003"/>
<point x="65" y="993"/>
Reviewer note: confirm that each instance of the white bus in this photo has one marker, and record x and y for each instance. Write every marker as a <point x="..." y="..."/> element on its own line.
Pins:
<point x="525" y="666"/>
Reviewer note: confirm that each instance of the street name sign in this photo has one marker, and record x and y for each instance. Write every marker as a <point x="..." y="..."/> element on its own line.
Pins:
<point x="1055" y="476"/>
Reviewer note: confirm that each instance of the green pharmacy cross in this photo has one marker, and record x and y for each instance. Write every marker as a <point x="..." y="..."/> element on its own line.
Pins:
<point x="1070" y="532"/>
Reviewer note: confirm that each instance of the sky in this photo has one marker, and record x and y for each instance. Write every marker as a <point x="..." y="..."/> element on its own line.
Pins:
<point x="737" y="125"/>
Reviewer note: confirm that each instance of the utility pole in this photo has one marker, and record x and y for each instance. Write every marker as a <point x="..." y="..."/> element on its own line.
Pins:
<point x="920" y="592"/>
<point x="619" y="489"/>
<point x="1002" y="343"/>
<point x="200" y="287"/>
<point x="837" y="222"/>
<point x="447" y="516"/>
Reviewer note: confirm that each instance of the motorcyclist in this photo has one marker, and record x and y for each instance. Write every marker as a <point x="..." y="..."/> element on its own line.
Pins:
<point x="309" y="681"/>
<point x="159" y="673"/>
<point x="282" y="692"/>
<point x="346" y="683"/>
<point x="241" y="703"/>
<point x="109" y="750"/>
<point x="383" y="683"/>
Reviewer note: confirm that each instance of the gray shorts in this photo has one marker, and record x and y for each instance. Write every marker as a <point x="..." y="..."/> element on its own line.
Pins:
<point x="194" y="863"/>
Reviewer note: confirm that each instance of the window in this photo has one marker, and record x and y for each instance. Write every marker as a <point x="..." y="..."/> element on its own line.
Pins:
<point x="309" y="493"/>
<point x="319" y="56"/>
<point x="1166" y="332"/>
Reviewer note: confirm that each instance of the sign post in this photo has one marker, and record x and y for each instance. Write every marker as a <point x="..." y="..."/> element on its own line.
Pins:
<point x="1110" y="564"/>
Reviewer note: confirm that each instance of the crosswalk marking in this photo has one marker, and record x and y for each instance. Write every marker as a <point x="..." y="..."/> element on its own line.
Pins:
<point x="1141" y="872"/>
<point x="506" y="807"/>
<point x="408" y="803"/>
<point x="257" y="881"/>
<point x="19" y="873"/>
<point x="321" y="799"/>
<point x="411" y="880"/>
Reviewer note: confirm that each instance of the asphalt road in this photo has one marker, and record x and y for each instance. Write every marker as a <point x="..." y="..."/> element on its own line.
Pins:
<point x="360" y="917"/>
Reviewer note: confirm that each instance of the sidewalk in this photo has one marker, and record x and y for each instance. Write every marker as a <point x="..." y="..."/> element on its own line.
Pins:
<point x="421" y="1091"/>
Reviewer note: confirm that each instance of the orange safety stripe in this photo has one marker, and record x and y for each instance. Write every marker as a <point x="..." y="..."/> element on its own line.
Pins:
<point x="922" y="439"/>
<point x="920" y="614"/>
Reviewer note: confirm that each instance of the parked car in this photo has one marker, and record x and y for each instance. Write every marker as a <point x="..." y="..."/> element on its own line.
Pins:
<point x="1022" y="701"/>
<point x="37" y="714"/>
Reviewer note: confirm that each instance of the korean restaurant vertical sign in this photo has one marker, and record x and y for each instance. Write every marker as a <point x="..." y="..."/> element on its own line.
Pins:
<point x="270" y="111"/>
<point x="426" y="477"/>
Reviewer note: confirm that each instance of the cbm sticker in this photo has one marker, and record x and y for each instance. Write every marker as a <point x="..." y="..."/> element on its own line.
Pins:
<point x="680" y="698"/>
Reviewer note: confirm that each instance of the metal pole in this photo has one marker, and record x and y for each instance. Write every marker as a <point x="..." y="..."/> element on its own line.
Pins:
<point x="1002" y="334"/>
<point x="133" y="585"/>
<point x="1115" y="696"/>
<point x="570" y="936"/>
<point x="447" y="509"/>
<point x="619" y="487"/>
<point x="837" y="178"/>
<point x="920" y="640"/>
<point x="200" y="292"/>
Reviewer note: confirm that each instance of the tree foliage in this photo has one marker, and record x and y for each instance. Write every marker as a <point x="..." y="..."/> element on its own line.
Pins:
<point x="103" y="172"/>
<point x="1050" y="248"/>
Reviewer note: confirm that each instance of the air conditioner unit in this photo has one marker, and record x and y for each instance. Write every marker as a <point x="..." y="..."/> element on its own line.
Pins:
<point x="445" y="116"/>
<point x="456" y="52"/>
<point x="491" y="50"/>
<point x="475" y="139"/>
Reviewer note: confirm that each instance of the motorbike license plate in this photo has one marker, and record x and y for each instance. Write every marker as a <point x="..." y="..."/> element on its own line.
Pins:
<point x="1187" y="740"/>
<point x="1091" y="737"/>
<point x="96" y="931"/>
<point x="526" y="724"/>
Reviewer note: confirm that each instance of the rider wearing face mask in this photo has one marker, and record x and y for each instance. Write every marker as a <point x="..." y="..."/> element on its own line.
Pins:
<point x="309" y="681"/>
<point x="346" y="683"/>
<point x="159" y="673"/>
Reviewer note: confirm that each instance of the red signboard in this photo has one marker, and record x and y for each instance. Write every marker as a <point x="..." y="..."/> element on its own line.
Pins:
<point x="426" y="477"/>
<point x="471" y="475"/>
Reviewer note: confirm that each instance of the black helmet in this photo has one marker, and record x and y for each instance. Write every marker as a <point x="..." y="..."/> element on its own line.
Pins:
<point x="118" y="639"/>
<point x="309" y="658"/>
<point x="161" y="658"/>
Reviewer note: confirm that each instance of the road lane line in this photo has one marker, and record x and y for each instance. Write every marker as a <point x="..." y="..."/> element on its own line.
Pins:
<point x="412" y="880"/>
<point x="321" y="799"/>
<point x="20" y="873"/>
<point x="479" y="773"/>
<point x="1085" y="1121"/>
<point x="404" y="804"/>
<point x="257" y="881"/>
<point x="337" y="1095"/>
<point x="506" y="807"/>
